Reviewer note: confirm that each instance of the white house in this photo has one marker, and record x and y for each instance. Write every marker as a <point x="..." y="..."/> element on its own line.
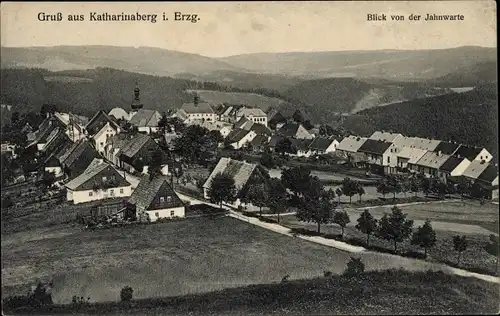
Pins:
<point x="239" y="137"/>
<point x="473" y="153"/>
<point x="99" y="181"/>
<point x="146" y="121"/>
<point x="255" y="115"/>
<point x="154" y="198"/>
<point x="381" y="156"/>
<point x="430" y="163"/>
<point x="453" y="167"/>
<point x="101" y="137"/>
<point x="196" y="111"/>
<point x="320" y="145"/>
<point x="409" y="156"/>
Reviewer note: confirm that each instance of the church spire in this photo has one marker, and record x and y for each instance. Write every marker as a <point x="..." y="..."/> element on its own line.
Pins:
<point x="136" y="104"/>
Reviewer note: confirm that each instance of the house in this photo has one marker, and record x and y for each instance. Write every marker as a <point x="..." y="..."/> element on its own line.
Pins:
<point x="99" y="181"/>
<point x="430" y="163"/>
<point x="349" y="146"/>
<point x="473" y="153"/>
<point x="409" y="156"/>
<point x="244" y="123"/>
<point x="295" y="130"/>
<point x="488" y="179"/>
<point x="224" y="128"/>
<point x="274" y="117"/>
<point x="322" y="145"/>
<point x="446" y="148"/>
<point x="119" y="114"/>
<point x="100" y="138"/>
<point x="302" y="146"/>
<point x="8" y="149"/>
<point x="422" y="143"/>
<point x="380" y="156"/>
<point x="474" y="170"/>
<point x="259" y="143"/>
<point x="453" y="167"/>
<point x="98" y="121"/>
<point x="260" y="129"/>
<point x="273" y="141"/>
<point x="198" y="111"/>
<point x="154" y="198"/>
<point x="227" y="113"/>
<point x="243" y="173"/>
<point x="386" y="136"/>
<point x="77" y="158"/>
<point x="239" y="137"/>
<point x="137" y="154"/>
<point x="48" y="125"/>
<point x="255" y="115"/>
<point x="146" y="121"/>
<point x="55" y="148"/>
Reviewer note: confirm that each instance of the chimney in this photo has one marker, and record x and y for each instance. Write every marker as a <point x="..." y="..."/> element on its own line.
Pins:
<point x="195" y="100"/>
<point x="439" y="153"/>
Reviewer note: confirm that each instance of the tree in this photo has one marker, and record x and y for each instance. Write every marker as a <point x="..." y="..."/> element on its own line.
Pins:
<point x="315" y="204"/>
<point x="426" y="186"/>
<point x="257" y="195"/>
<point x="339" y="193"/>
<point x="394" y="185"/>
<point x="382" y="187"/>
<point x="415" y="183"/>
<point x="341" y="218"/>
<point x="464" y="187"/>
<point x="326" y="130"/>
<point x="276" y="194"/>
<point x="395" y="227"/>
<point x="424" y="237"/>
<point x="47" y="109"/>
<point x="163" y="124"/>
<point x="354" y="267"/>
<point x="285" y="146"/>
<point x="349" y="188"/>
<point x="267" y="160"/>
<point x="222" y="189"/>
<point x="440" y="188"/>
<point x="296" y="179"/>
<point x="195" y="146"/>
<point x="367" y="224"/>
<point x="460" y="245"/>
<point x="48" y="179"/>
<point x="126" y="294"/>
<point x="155" y="166"/>
<point x="360" y="191"/>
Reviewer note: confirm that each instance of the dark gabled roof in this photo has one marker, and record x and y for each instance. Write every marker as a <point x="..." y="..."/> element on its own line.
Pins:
<point x="146" y="118"/>
<point x="259" y="140"/>
<point x="199" y="108"/>
<point x="95" y="168"/>
<point x="374" y="147"/>
<point x="450" y="164"/>
<point x="301" y="144"/>
<point x="275" y="139"/>
<point x="320" y="143"/>
<point x="149" y="188"/>
<point x="468" y="152"/>
<point x="236" y="135"/>
<point x="489" y="174"/>
<point x="289" y="129"/>
<point x="76" y="151"/>
<point x="260" y="129"/>
<point x="446" y="148"/>
<point x="243" y="123"/>
<point x="99" y="120"/>
<point x="132" y="147"/>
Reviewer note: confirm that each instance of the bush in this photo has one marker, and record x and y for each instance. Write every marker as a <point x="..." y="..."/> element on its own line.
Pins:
<point x="327" y="274"/>
<point x="355" y="267"/>
<point x="126" y="294"/>
<point x="492" y="246"/>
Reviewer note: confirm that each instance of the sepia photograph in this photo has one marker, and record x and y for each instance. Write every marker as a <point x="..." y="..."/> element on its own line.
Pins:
<point x="249" y="158"/>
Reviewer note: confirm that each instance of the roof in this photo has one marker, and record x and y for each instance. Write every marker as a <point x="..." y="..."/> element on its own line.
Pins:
<point x="118" y="113"/>
<point x="351" y="143"/>
<point x="118" y="140"/>
<point x="135" y="144"/>
<point x="475" y="169"/>
<point x="257" y="112"/>
<point x="200" y="108"/>
<point x="321" y="143"/>
<point x="238" y="170"/>
<point x="211" y="126"/>
<point x="301" y="144"/>
<point x="412" y="154"/>
<point x="289" y="129"/>
<point x="236" y="135"/>
<point x="432" y="160"/>
<point x="452" y="162"/>
<point x="489" y="174"/>
<point x="260" y="129"/>
<point x="274" y="140"/>
<point x="422" y="143"/>
<point x="385" y="136"/>
<point x="446" y="148"/>
<point x="146" y="118"/>
<point x="468" y="152"/>
<point x="93" y="169"/>
<point x="181" y="114"/>
<point x="98" y="121"/>
<point x="275" y="114"/>
<point x="259" y="140"/>
<point x="74" y="152"/>
<point x="148" y="188"/>
<point x="244" y="123"/>
<point x="372" y="146"/>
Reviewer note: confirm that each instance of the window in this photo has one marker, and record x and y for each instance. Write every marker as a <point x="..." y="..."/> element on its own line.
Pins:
<point x="91" y="193"/>
<point x="112" y="191"/>
<point x="172" y="213"/>
<point x="121" y="191"/>
<point x="481" y="157"/>
<point x="157" y="214"/>
<point x="169" y="199"/>
<point x="162" y="199"/>
<point x="388" y="159"/>
<point x="104" y="178"/>
<point x="102" y="144"/>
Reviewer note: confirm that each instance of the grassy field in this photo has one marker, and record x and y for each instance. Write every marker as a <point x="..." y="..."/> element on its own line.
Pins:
<point x="388" y="292"/>
<point x="252" y="99"/>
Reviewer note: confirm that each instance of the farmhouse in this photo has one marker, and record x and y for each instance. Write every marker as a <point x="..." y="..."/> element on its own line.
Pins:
<point x="386" y="136"/>
<point x="98" y="121"/>
<point x="99" y="181"/>
<point x="146" y="121"/>
<point x="453" y="167"/>
<point x="243" y="173"/>
<point x="349" y="146"/>
<point x="198" y="111"/>
<point x="223" y="127"/>
<point x="154" y="198"/>
<point x="239" y="137"/>
<point x="137" y="154"/>
<point x="255" y="115"/>
<point x="54" y="150"/>
<point x="295" y="130"/>
<point x="322" y="145"/>
<point x="302" y="146"/>
<point x="474" y="170"/>
<point x="274" y="117"/>
<point x="446" y="148"/>
<point x="77" y="158"/>
<point x="380" y="156"/>
<point x="488" y="179"/>
<point x="100" y="138"/>
<point x="422" y="143"/>
<point x="473" y="153"/>
<point x="430" y="163"/>
<point x="259" y="143"/>
<point x="409" y="156"/>
<point x="45" y="129"/>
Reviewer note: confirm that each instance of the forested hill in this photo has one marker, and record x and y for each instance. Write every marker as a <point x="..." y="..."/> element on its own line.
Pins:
<point x="469" y="118"/>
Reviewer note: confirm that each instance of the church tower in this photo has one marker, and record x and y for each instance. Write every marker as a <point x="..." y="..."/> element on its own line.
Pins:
<point x="136" y="104"/>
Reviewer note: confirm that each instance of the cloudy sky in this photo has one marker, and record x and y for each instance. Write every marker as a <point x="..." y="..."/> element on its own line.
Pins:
<point x="230" y="28"/>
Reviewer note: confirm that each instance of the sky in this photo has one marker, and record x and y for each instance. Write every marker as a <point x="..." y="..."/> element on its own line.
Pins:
<point x="232" y="28"/>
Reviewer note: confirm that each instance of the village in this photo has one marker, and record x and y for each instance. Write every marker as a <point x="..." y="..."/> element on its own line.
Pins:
<point x="272" y="170"/>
